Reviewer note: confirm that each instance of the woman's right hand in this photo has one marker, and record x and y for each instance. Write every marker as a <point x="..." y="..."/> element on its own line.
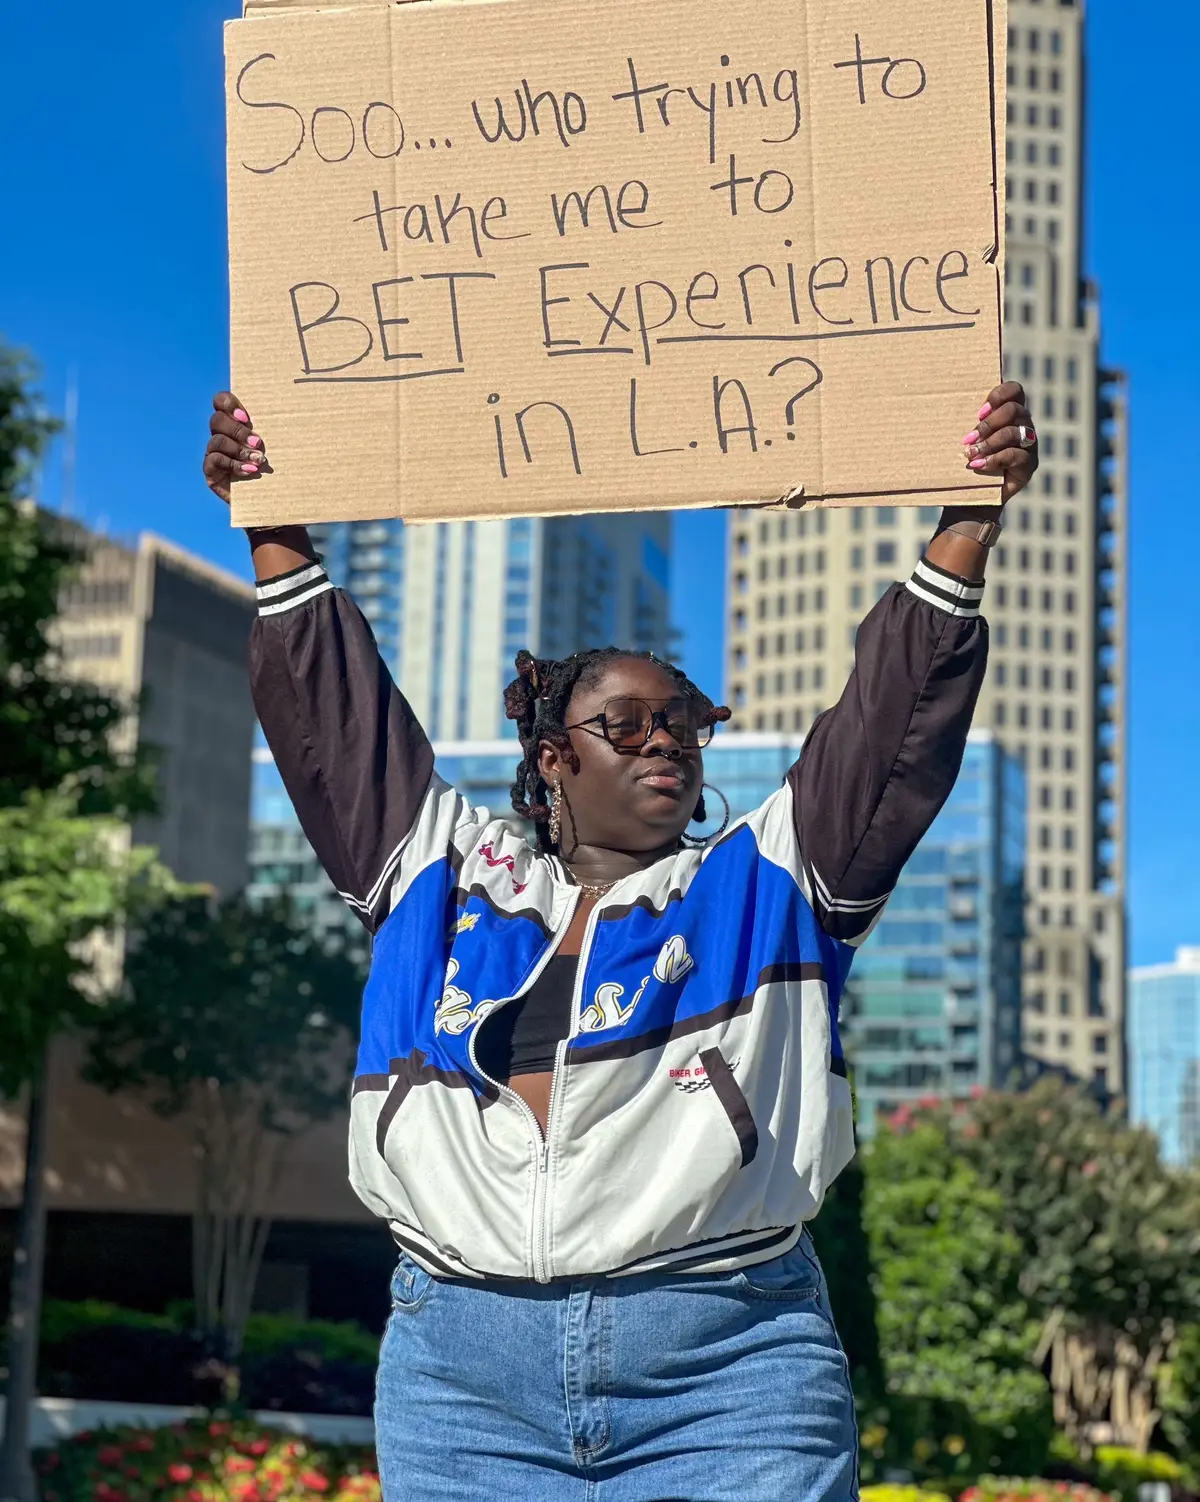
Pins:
<point x="235" y="451"/>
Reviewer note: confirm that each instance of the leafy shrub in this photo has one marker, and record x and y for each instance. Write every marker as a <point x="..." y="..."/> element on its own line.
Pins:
<point x="1179" y="1396"/>
<point x="96" y="1350"/>
<point x="1123" y="1471"/>
<point x="205" y="1461"/>
<point x="890" y="1492"/>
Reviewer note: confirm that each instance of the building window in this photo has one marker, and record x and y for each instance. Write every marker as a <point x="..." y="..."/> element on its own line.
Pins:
<point x="1100" y="1078"/>
<point x="1055" y="117"/>
<point x="818" y="678"/>
<point x="1044" y="878"/>
<point x="1068" y="719"/>
<point x="798" y="680"/>
<point x="1051" y="192"/>
<point x="1001" y="715"/>
<point x="1068" y="879"/>
<point x="1064" y="1003"/>
<point x="1068" y="759"/>
<point x="800" y="602"/>
<point x="760" y="685"/>
<point x="1044" y="837"/>
<point x="1037" y="1002"/>
<point x="1068" y="837"/>
<point x="799" y="640"/>
<point x="1022" y="717"/>
<point x="856" y="554"/>
<point x="1068" y="799"/>
<point x="1001" y="674"/>
<point x="856" y="596"/>
<point x="885" y="552"/>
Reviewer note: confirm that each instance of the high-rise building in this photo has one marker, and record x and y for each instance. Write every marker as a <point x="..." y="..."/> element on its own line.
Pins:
<point x="933" y="1004"/>
<point x="1055" y="691"/>
<point x="451" y="604"/>
<point x="1164" y="1053"/>
<point x="158" y="626"/>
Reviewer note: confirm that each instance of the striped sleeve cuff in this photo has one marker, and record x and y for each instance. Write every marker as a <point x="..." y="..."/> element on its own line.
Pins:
<point x="285" y="591"/>
<point x="947" y="591"/>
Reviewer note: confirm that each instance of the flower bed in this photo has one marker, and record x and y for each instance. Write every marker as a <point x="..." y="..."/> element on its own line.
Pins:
<point x="205" y="1461"/>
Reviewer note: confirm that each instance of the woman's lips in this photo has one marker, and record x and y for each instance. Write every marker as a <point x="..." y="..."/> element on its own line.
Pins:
<point x="664" y="782"/>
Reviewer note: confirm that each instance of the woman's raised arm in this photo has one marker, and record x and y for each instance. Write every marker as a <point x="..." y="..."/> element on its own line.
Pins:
<point x="354" y="759"/>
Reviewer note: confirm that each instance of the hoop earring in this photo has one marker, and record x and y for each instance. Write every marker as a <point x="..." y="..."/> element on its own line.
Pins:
<point x="699" y="842"/>
<point x="556" y="798"/>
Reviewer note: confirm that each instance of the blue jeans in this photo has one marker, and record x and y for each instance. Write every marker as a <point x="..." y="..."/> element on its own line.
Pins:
<point x="727" y="1387"/>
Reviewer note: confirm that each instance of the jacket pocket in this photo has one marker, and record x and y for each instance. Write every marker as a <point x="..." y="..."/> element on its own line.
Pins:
<point x="734" y="1103"/>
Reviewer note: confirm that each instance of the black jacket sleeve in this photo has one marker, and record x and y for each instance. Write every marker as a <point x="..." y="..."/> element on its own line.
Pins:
<point x="877" y="767"/>
<point x="352" y="756"/>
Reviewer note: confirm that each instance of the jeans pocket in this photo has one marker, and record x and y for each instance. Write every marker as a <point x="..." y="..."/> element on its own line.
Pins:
<point x="410" y="1285"/>
<point x="795" y="1276"/>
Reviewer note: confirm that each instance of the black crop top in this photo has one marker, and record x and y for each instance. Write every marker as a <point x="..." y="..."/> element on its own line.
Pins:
<point x="523" y="1037"/>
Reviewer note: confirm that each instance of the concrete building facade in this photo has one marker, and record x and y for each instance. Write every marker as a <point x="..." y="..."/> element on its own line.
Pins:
<point x="1056" y="688"/>
<point x="159" y="627"/>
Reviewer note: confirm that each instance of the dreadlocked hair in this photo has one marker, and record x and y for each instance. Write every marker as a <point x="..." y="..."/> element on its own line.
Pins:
<point x="537" y="700"/>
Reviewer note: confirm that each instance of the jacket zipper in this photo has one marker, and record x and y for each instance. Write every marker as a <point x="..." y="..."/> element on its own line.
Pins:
<point x="541" y="1221"/>
<point x="541" y="1140"/>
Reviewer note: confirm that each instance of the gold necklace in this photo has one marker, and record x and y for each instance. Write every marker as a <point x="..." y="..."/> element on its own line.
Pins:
<point x="593" y="890"/>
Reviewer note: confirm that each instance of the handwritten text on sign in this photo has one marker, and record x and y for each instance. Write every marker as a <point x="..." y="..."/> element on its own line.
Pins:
<point x="514" y="264"/>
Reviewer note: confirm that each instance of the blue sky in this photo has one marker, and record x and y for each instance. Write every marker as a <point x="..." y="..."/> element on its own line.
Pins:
<point x="112" y="261"/>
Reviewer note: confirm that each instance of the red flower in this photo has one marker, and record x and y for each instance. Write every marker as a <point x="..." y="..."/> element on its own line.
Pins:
<point x="179" y="1472"/>
<point x="259" y="1447"/>
<point x="314" y="1481"/>
<point x="236" y="1463"/>
<point x="215" y="1429"/>
<point x="110" y="1455"/>
<point x="142" y="1444"/>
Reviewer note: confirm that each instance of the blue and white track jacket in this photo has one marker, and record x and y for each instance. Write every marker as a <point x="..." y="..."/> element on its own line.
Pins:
<point x="700" y="1106"/>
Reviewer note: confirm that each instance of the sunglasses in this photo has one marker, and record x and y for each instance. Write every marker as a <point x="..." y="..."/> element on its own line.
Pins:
<point x="627" y="724"/>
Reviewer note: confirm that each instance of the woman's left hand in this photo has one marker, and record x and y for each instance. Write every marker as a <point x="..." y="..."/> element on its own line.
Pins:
<point x="1004" y="441"/>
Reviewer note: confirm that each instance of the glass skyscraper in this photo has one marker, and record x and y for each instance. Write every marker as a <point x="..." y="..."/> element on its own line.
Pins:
<point x="452" y="603"/>
<point x="1164" y="1053"/>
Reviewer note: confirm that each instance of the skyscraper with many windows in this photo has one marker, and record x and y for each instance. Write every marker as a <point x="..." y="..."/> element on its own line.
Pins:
<point x="452" y="604"/>
<point x="1055" y="692"/>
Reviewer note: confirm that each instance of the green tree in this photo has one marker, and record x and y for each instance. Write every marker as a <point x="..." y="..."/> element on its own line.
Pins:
<point x="1179" y="1394"/>
<point x="1110" y="1240"/>
<point x="240" y="1022"/>
<point x="955" y="1331"/>
<point x="66" y="873"/>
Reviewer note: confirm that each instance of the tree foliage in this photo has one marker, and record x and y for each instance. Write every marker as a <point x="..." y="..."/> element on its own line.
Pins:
<point x="955" y="1332"/>
<point x="63" y="875"/>
<point x="65" y="882"/>
<point x="54" y="733"/>
<point x="240" y="1022"/>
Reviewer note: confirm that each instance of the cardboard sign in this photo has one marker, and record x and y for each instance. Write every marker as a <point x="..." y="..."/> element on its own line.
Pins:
<point x="522" y="257"/>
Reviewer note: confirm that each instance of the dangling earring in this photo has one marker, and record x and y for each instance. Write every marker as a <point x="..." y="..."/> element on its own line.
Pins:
<point x="698" y="842"/>
<point x="556" y="798"/>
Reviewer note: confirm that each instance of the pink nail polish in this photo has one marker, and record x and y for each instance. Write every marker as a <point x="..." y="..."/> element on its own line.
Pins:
<point x="254" y="441"/>
<point x="984" y="410"/>
<point x="249" y="469"/>
<point x="240" y="416"/>
<point x="974" y="464"/>
<point x="970" y="439"/>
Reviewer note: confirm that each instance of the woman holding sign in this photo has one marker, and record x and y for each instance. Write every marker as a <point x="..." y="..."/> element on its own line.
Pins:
<point x="600" y="1089"/>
